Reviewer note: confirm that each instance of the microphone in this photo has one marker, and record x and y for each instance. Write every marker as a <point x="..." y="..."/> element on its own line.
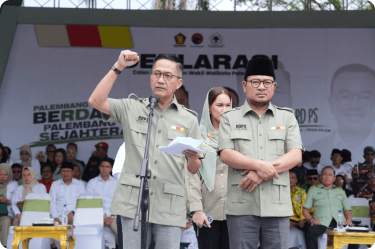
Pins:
<point x="154" y="99"/>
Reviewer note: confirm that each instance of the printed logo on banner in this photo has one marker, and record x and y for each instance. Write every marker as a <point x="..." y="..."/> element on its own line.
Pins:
<point x="216" y="41"/>
<point x="180" y="40"/>
<point x="197" y="39"/>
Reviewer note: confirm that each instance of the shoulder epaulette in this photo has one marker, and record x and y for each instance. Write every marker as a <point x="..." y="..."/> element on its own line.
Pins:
<point x="189" y="110"/>
<point x="285" y="109"/>
<point x="233" y="109"/>
<point x="133" y="96"/>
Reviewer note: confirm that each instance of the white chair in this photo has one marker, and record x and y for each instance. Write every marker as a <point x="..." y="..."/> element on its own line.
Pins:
<point x="35" y="208"/>
<point x="88" y="222"/>
<point x="296" y="237"/>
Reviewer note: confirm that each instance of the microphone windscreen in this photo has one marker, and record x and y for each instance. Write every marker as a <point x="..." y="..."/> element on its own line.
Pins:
<point x="154" y="98"/>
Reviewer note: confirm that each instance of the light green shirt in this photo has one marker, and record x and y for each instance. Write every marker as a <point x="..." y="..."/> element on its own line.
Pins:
<point x="326" y="203"/>
<point x="266" y="138"/>
<point x="167" y="185"/>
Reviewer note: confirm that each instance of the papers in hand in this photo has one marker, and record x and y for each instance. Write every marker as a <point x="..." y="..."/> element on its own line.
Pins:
<point x="179" y="144"/>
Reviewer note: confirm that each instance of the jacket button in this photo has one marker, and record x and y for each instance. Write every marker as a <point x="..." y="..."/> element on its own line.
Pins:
<point x="156" y="161"/>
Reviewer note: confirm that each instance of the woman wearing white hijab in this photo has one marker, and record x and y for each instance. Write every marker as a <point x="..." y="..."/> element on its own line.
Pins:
<point x="30" y="185"/>
<point x="26" y="160"/>
<point x="7" y="187"/>
<point x="207" y="190"/>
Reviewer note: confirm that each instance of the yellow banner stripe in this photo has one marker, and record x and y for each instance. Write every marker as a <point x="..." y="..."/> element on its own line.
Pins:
<point x="115" y="36"/>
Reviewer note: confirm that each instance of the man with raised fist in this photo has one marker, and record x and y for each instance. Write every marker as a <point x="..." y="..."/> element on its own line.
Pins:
<point x="167" y="188"/>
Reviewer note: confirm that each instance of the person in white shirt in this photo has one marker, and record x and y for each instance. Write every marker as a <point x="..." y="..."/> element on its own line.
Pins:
<point x="339" y="168"/>
<point x="65" y="192"/>
<point x="26" y="160"/>
<point x="30" y="185"/>
<point x="105" y="185"/>
<point x="119" y="161"/>
<point x="7" y="187"/>
<point x="314" y="162"/>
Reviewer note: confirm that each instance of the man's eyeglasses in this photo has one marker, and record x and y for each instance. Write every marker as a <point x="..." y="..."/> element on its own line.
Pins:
<point x="256" y="83"/>
<point x="17" y="171"/>
<point x="46" y="171"/>
<point x="369" y="154"/>
<point x="369" y="177"/>
<point x="50" y="150"/>
<point x="167" y="76"/>
<point x="340" y="180"/>
<point x="312" y="162"/>
<point x="312" y="178"/>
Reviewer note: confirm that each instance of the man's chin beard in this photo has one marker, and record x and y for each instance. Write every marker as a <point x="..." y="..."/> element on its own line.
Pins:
<point x="259" y="104"/>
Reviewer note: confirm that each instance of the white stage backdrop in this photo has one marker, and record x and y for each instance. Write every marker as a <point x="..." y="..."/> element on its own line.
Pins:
<point x="43" y="97"/>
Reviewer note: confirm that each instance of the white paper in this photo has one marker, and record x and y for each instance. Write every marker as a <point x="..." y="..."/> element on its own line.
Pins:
<point x="179" y="144"/>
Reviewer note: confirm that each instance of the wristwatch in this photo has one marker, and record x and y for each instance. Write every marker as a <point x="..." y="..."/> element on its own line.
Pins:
<point x="113" y="216"/>
<point x="115" y="69"/>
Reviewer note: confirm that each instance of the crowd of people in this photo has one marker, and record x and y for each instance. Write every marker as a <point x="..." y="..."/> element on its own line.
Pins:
<point x="60" y="174"/>
<point x="319" y="191"/>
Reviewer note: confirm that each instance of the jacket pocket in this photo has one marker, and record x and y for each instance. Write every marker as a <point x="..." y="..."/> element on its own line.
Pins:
<point x="242" y="141"/>
<point x="236" y="194"/>
<point x="138" y="134"/>
<point x="277" y="142"/>
<point x="172" y="200"/>
<point x="130" y="188"/>
<point x="280" y="188"/>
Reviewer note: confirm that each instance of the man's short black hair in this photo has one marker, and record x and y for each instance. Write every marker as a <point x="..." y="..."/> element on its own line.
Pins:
<point x="351" y="68"/>
<point x="111" y="161"/>
<point x="293" y="170"/>
<point x="185" y="91"/>
<point x="170" y="57"/>
<point x="346" y="156"/>
<point x="306" y="155"/>
<point x="326" y="167"/>
<point x="74" y="144"/>
<point x="9" y="150"/>
<point x="315" y="153"/>
<point x="45" y="165"/>
<point x="16" y="165"/>
<point x="336" y="151"/>
<point x="50" y="145"/>
<point x="234" y="92"/>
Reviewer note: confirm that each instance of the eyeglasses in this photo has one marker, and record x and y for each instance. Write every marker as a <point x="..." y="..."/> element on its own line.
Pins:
<point x="50" y="150"/>
<point x="369" y="154"/>
<point x="340" y="180"/>
<point x="17" y="171"/>
<point x="312" y="162"/>
<point x="256" y="83"/>
<point x="46" y="171"/>
<point x="167" y="76"/>
<point x="369" y="177"/>
<point x="312" y="178"/>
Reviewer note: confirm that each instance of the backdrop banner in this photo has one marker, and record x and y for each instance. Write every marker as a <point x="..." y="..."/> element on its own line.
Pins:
<point x="326" y="75"/>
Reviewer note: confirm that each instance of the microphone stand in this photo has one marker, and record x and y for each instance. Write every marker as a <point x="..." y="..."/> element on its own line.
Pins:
<point x="145" y="174"/>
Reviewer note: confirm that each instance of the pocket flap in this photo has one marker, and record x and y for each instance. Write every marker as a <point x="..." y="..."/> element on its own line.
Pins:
<point x="141" y="128"/>
<point x="130" y="180"/>
<point x="173" y="134"/>
<point x="277" y="134"/>
<point x="283" y="179"/>
<point x="174" y="189"/>
<point x="238" y="134"/>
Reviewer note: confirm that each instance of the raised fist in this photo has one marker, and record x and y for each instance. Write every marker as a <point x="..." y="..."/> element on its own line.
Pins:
<point x="127" y="58"/>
